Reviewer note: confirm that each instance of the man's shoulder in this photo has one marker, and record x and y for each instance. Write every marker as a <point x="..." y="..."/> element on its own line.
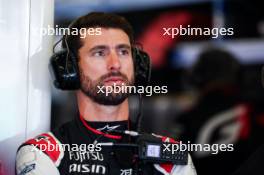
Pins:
<point x="48" y="143"/>
<point x="55" y="137"/>
<point x="47" y="138"/>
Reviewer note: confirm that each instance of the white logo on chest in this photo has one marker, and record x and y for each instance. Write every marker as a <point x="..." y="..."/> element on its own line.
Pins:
<point x="126" y="171"/>
<point x="108" y="128"/>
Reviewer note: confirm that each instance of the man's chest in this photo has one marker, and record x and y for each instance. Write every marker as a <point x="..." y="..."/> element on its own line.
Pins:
<point x="94" y="163"/>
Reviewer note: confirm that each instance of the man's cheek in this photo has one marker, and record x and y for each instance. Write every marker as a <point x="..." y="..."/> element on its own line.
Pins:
<point x="131" y="72"/>
<point x="95" y="71"/>
<point x="130" y="75"/>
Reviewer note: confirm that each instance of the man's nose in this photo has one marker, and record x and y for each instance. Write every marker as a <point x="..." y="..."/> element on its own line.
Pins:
<point x="113" y="62"/>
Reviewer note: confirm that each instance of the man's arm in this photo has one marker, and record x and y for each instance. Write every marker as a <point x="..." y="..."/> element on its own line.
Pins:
<point x="31" y="161"/>
<point x="39" y="156"/>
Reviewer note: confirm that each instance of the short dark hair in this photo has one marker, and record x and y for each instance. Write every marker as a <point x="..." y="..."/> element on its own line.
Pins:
<point x="96" y="19"/>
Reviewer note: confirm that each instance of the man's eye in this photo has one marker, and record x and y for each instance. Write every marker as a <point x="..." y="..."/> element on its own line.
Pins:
<point x="124" y="52"/>
<point x="99" y="53"/>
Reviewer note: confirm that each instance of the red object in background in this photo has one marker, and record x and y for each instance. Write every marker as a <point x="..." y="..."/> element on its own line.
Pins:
<point x="157" y="45"/>
<point x="1" y="168"/>
<point x="260" y="119"/>
<point x="244" y="121"/>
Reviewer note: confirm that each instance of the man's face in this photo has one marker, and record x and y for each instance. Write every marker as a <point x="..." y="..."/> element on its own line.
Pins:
<point x="105" y="60"/>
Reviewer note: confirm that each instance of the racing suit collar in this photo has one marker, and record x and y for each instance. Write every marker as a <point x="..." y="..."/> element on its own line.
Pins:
<point x="100" y="128"/>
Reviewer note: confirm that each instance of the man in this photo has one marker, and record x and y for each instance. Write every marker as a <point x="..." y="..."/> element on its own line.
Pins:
<point x="104" y="60"/>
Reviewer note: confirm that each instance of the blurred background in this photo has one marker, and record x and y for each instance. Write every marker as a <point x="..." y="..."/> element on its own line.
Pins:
<point x="214" y="84"/>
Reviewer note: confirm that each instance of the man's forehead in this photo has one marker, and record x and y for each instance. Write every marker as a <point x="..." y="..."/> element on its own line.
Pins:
<point x="110" y="37"/>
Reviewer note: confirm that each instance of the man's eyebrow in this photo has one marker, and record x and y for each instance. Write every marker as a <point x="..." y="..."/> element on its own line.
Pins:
<point x="121" y="46"/>
<point x="102" y="47"/>
<point x="98" y="47"/>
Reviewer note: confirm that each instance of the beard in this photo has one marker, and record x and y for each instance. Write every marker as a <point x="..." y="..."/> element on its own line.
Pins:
<point x="90" y="88"/>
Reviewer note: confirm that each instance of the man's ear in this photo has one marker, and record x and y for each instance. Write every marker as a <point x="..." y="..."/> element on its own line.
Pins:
<point x="142" y="67"/>
<point x="65" y="70"/>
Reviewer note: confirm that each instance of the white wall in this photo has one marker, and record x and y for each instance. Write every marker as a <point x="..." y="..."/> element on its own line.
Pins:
<point x="24" y="77"/>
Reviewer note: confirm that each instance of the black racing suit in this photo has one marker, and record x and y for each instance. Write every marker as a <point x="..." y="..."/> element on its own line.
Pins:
<point x="91" y="159"/>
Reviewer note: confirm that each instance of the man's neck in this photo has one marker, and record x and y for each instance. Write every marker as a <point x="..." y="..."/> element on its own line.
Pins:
<point x="92" y="111"/>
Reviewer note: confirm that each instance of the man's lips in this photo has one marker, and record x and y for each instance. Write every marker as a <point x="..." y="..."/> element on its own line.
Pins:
<point x="114" y="80"/>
